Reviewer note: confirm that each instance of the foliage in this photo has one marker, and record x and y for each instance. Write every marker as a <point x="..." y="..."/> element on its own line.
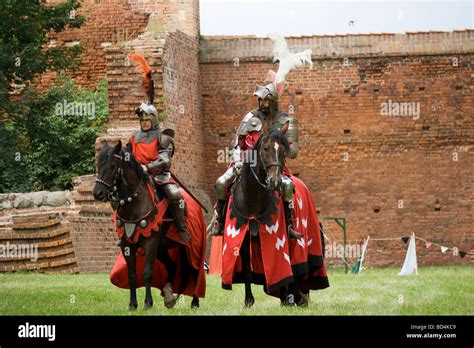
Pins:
<point x="24" y="52"/>
<point x="50" y="137"/>
<point x="39" y="148"/>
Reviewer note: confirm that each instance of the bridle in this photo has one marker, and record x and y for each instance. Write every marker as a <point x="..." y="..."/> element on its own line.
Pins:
<point x="265" y="186"/>
<point x="112" y="192"/>
<point x="268" y="166"/>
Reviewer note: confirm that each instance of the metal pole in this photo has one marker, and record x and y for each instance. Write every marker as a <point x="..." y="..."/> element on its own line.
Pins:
<point x="345" y="241"/>
<point x="342" y="223"/>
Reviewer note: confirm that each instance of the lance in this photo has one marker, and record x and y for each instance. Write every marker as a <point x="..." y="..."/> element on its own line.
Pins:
<point x="188" y="192"/>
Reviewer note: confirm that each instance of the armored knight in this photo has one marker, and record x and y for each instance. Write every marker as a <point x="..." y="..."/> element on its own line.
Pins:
<point x="153" y="148"/>
<point x="264" y="118"/>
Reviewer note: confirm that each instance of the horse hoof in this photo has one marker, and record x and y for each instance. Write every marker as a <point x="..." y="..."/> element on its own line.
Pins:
<point x="170" y="300"/>
<point x="132" y="307"/>
<point x="289" y="301"/>
<point x="287" y="304"/>
<point x="170" y="303"/>
<point x="249" y="303"/>
<point x="195" y="303"/>
<point x="148" y="305"/>
<point x="303" y="302"/>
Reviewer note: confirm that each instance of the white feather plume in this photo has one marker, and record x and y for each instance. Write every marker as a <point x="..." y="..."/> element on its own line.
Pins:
<point x="288" y="61"/>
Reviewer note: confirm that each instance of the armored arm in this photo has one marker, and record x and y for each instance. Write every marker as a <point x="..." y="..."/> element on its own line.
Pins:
<point x="284" y="119"/>
<point x="165" y="153"/>
<point x="236" y="145"/>
<point x="292" y="136"/>
<point x="242" y="130"/>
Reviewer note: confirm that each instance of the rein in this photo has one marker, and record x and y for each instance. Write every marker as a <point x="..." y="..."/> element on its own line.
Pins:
<point x="265" y="186"/>
<point x="112" y="192"/>
<point x="272" y="164"/>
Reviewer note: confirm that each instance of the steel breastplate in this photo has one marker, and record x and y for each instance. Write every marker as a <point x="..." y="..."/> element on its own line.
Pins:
<point x="148" y="136"/>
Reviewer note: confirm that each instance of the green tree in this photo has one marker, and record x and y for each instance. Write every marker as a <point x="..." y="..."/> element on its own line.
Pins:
<point x="24" y="53"/>
<point x="42" y="143"/>
<point x="54" y="138"/>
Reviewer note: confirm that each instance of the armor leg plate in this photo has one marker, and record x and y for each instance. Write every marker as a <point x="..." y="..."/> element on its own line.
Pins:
<point x="177" y="209"/>
<point x="223" y="184"/>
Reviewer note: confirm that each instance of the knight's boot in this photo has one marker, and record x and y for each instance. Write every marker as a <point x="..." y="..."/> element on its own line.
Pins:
<point x="218" y="228"/>
<point x="292" y="234"/>
<point x="177" y="208"/>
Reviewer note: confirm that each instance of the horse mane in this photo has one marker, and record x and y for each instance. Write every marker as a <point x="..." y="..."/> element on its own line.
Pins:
<point x="104" y="155"/>
<point x="278" y="136"/>
<point x="274" y="134"/>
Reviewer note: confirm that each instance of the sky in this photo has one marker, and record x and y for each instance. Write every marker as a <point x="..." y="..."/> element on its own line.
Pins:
<point x="318" y="17"/>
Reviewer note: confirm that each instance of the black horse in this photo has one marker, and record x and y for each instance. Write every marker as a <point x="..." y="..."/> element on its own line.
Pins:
<point x="121" y="181"/>
<point x="253" y="194"/>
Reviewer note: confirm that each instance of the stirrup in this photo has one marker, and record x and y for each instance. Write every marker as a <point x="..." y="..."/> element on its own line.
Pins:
<point x="217" y="229"/>
<point x="292" y="234"/>
<point x="184" y="234"/>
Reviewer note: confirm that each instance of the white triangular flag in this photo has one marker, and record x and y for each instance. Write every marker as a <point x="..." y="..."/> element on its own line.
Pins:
<point x="444" y="249"/>
<point x="410" y="264"/>
<point x="364" y="248"/>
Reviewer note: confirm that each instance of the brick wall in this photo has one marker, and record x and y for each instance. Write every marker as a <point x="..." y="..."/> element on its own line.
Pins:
<point x="171" y="15"/>
<point x="36" y="240"/>
<point x="109" y="22"/>
<point x="92" y="231"/>
<point x="182" y="93"/>
<point x="389" y="159"/>
<point x="77" y="236"/>
<point x="94" y="237"/>
<point x="115" y="22"/>
<point x="174" y="60"/>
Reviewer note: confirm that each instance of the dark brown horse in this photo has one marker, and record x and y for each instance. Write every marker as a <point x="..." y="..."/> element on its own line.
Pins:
<point x="121" y="181"/>
<point x="254" y="193"/>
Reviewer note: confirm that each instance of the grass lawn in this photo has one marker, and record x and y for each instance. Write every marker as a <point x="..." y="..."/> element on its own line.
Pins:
<point x="437" y="290"/>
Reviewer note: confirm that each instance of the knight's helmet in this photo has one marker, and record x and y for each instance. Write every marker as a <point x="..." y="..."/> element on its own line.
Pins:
<point x="267" y="91"/>
<point x="146" y="111"/>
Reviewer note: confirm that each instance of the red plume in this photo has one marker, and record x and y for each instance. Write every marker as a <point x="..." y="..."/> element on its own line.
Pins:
<point x="145" y="69"/>
<point x="271" y="77"/>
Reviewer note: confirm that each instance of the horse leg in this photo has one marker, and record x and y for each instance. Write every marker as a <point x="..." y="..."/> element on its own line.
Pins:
<point x="195" y="275"/>
<point x="129" y="251"/>
<point x="187" y="273"/>
<point x="150" y="245"/>
<point x="284" y="296"/>
<point x="247" y="270"/>
<point x="195" y="302"/>
<point x="163" y="256"/>
<point x="303" y="300"/>
<point x="296" y="296"/>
